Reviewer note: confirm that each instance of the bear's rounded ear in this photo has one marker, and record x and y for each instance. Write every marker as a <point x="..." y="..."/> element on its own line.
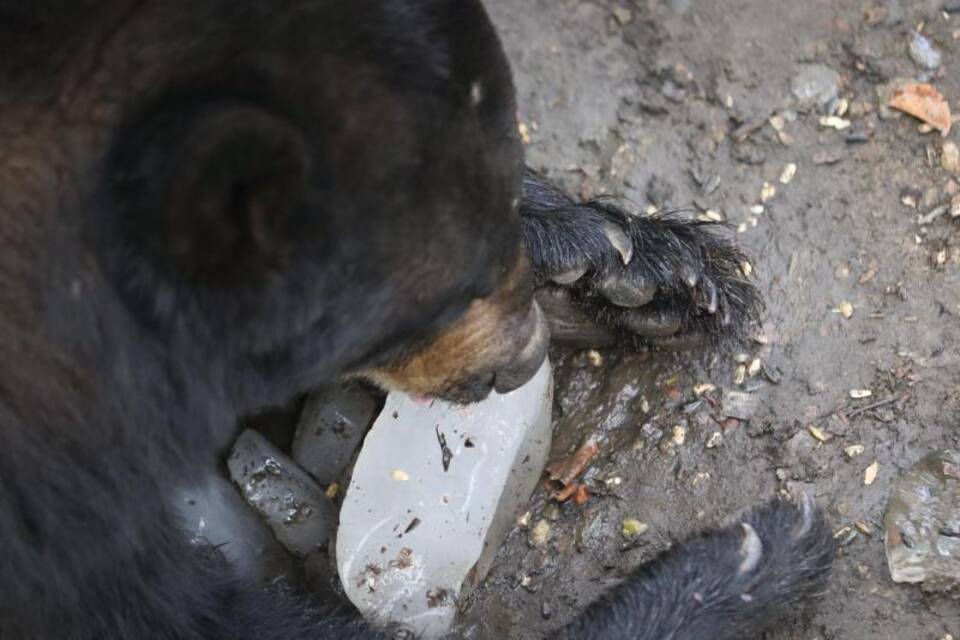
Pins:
<point x="213" y="195"/>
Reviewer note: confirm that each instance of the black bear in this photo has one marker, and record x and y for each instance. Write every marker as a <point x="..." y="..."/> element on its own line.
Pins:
<point x="207" y="207"/>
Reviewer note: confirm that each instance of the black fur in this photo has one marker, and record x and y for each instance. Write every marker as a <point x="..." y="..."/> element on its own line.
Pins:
<point x="206" y="208"/>
<point x="687" y="262"/>
<point x="697" y="589"/>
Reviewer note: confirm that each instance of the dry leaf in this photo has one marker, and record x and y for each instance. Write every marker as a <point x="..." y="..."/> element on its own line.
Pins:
<point x="562" y="473"/>
<point x="923" y="101"/>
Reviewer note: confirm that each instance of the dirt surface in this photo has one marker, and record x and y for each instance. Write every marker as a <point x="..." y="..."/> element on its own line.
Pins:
<point x="650" y="100"/>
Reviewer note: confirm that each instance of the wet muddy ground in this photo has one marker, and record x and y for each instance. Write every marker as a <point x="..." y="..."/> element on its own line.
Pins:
<point x="669" y="102"/>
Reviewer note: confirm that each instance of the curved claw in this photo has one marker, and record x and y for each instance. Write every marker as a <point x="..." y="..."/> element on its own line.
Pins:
<point x="690" y="276"/>
<point x="620" y="241"/>
<point x="807" y="510"/>
<point x="711" y="296"/>
<point x="570" y="276"/>
<point x="751" y="549"/>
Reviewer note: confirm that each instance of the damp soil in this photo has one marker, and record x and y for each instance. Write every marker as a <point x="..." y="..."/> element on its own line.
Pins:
<point x="668" y="103"/>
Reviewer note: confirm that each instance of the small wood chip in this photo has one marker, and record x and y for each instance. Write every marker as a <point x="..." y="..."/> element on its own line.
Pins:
<point x="540" y="534"/>
<point x="754" y="367"/>
<point x="622" y="15"/>
<point x="819" y="434"/>
<point x="524" y="131"/>
<point x="741" y="374"/>
<point x="870" y="474"/>
<point x="563" y="472"/>
<point x="679" y="435"/>
<point x="834" y="122"/>
<point x="767" y="191"/>
<point x="631" y="528"/>
<point x="706" y="387"/>
<point x="332" y="490"/>
<point x="399" y="475"/>
<point x="714" y="440"/>
<point x="789" y="172"/>
<point x="581" y="496"/>
<point x="859" y="394"/>
<point x="870" y="273"/>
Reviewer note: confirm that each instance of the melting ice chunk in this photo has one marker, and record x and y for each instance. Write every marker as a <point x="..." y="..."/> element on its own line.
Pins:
<point x="435" y="489"/>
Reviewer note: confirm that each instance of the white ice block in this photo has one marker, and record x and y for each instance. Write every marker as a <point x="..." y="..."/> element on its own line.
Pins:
<point x="421" y="521"/>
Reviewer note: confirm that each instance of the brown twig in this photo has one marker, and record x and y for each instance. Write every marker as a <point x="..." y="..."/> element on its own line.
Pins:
<point x="875" y="405"/>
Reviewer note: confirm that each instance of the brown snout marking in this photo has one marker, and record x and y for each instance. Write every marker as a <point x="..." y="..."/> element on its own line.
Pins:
<point x="485" y="338"/>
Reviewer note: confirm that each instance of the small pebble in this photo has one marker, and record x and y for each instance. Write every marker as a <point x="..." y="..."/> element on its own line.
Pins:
<point x="815" y="84"/>
<point x="524" y="520"/>
<point x="754" y="367"/>
<point x="631" y="528"/>
<point x="923" y="53"/>
<point x="399" y="475"/>
<point x="870" y="473"/>
<point x="859" y="394"/>
<point x="845" y="308"/>
<point x="857" y="137"/>
<point x="853" y="451"/>
<point x="746" y="268"/>
<point x="789" y="172"/>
